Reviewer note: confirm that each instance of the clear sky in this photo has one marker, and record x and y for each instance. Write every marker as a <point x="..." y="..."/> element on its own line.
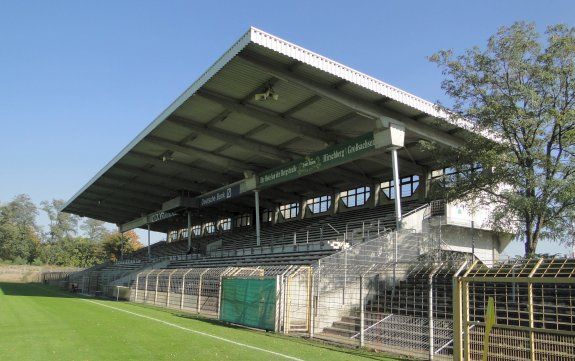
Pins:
<point x="80" y="79"/>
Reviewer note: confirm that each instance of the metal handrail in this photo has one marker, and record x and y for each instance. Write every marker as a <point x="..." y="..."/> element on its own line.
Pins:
<point x="375" y="324"/>
<point x="409" y="213"/>
<point x="332" y="227"/>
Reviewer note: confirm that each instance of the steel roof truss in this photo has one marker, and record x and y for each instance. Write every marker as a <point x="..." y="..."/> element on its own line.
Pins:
<point x="358" y="105"/>
<point x="238" y="166"/>
<point x="232" y="138"/>
<point x="290" y="124"/>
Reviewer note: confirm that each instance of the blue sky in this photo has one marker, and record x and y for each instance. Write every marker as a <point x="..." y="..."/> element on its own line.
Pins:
<point x="79" y="80"/>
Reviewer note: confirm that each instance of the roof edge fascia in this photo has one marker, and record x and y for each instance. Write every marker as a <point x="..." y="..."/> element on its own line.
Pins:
<point x="205" y="77"/>
<point x="259" y="37"/>
<point x="353" y="76"/>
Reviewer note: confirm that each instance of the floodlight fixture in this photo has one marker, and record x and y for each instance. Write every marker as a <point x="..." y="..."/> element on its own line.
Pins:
<point x="269" y="93"/>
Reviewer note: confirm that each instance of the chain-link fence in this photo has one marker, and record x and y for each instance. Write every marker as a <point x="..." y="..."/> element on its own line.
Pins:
<point x="199" y="290"/>
<point x="392" y="293"/>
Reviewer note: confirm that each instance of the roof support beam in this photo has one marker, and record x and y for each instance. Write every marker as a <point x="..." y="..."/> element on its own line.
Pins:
<point x="343" y="119"/>
<point x="354" y="176"/>
<point x="94" y="199"/>
<point x="227" y="162"/>
<point x="302" y="105"/>
<point x="247" y="204"/>
<point x="163" y="182"/>
<point x="407" y="165"/>
<point x="293" y="125"/>
<point x="129" y="212"/>
<point x="232" y="138"/>
<point x="108" y="192"/>
<point x="90" y="212"/>
<point x="209" y="176"/>
<point x="361" y="106"/>
<point x="135" y="191"/>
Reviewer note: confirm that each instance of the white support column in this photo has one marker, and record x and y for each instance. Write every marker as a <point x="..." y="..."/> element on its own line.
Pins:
<point x="391" y="135"/>
<point x="121" y="246"/>
<point x="257" y="202"/>
<point x="149" y="249"/>
<point x="397" y="188"/>
<point x="189" y="231"/>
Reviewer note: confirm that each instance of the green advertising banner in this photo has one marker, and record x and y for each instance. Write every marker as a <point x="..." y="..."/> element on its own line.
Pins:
<point x="219" y="195"/>
<point x="249" y="302"/>
<point x="328" y="158"/>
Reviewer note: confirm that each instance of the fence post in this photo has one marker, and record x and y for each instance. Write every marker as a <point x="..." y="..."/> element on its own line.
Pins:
<point x="457" y="329"/>
<point x="200" y="291"/>
<point x="430" y="314"/>
<point x="220" y="291"/>
<point x="169" y="288"/>
<point x="135" y="293"/>
<point x="156" y="290"/>
<point x="317" y="292"/>
<point x="146" y="289"/>
<point x="183" y="288"/>
<point x="465" y="319"/>
<point x="284" y="284"/>
<point x="361" y="313"/>
<point x="530" y="305"/>
<point x="344" y="276"/>
<point x="309" y="301"/>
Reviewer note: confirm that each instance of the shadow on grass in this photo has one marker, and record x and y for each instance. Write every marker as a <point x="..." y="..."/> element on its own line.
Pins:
<point x="334" y="347"/>
<point x="33" y="290"/>
<point x="301" y="340"/>
<point x="360" y="352"/>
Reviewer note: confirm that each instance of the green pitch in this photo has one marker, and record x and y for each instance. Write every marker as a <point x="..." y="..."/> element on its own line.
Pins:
<point x="38" y="322"/>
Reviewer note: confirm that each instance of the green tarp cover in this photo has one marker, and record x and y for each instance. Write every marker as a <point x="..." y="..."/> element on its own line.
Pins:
<point x="249" y="302"/>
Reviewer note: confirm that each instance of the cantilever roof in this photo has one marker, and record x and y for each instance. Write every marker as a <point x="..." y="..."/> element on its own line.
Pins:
<point x="216" y="131"/>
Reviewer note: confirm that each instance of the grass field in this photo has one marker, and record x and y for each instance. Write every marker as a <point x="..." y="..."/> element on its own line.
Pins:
<point x="39" y="322"/>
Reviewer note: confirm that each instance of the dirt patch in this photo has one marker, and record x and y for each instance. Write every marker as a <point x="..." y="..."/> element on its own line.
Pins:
<point x="28" y="274"/>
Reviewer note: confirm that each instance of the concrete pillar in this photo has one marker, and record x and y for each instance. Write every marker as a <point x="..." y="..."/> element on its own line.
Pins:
<point x="189" y="230"/>
<point x="149" y="249"/>
<point x="257" y="203"/>
<point x="397" y="188"/>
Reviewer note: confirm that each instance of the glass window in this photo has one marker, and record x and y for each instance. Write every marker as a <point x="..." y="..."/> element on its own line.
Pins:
<point x="355" y="197"/>
<point x="243" y="221"/>
<point x="408" y="187"/>
<point x="197" y="230"/>
<point x="289" y="211"/>
<point x="225" y="224"/>
<point x="210" y="227"/>
<point x="267" y="215"/>
<point x="449" y="175"/>
<point x="319" y="204"/>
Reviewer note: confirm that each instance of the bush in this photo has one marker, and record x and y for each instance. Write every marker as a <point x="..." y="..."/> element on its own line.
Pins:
<point x="19" y="261"/>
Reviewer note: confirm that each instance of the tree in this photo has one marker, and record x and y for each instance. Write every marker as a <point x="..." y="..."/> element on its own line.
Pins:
<point x="117" y="244"/>
<point x="18" y="242"/>
<point x="94" y="229"/>
<point x="72" y="252"/>
<point x="62" y="225"/>
<point x="521" y="93"/>
<point x="18" y="230"/>
<point x="21" y="211"/>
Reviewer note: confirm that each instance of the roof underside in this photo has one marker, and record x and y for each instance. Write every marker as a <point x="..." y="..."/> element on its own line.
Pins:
<point x="216" y="131"/>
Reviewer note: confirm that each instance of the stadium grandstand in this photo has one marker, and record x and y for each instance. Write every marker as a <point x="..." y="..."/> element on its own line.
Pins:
<point x="295" y="196"/>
